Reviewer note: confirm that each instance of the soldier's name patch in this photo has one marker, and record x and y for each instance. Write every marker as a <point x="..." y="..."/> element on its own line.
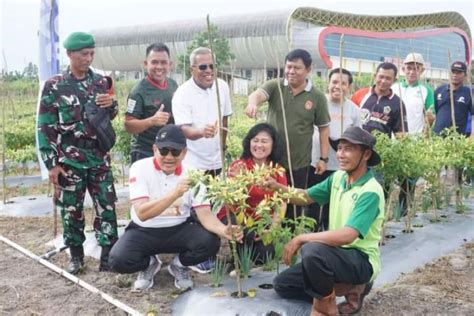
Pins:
<point x="131" y="105"/>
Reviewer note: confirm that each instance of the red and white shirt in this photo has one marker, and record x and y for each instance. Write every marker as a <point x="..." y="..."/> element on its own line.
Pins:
<point x="147" y="180"/>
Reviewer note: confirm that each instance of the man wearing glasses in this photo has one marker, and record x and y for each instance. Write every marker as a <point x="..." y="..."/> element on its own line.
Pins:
<point x="195" y="109"/>
<point x="161" y="202"/>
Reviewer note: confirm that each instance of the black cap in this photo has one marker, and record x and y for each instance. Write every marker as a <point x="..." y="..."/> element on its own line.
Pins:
<point x="356" y="135"/>
<point x="459" y="66"/>
<point x="170" y="136"/>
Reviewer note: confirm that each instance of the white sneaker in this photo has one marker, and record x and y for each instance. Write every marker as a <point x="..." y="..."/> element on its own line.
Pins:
<point x="181" y="277"/>
<point x="146" y="277"/>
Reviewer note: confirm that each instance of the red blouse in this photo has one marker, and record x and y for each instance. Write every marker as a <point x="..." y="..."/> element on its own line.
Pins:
<point x="256" y="193"/>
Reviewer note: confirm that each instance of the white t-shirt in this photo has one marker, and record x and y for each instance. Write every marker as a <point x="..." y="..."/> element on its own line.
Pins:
<point x="148" y="181"/>
<point x="197" y="107"/>
<point x="415" y="98"/>
<point x="351" y="118"/>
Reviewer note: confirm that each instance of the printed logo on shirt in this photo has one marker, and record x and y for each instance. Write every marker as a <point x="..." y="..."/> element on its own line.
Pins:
<point x="439" y="97"/>
<point x="131" y="105"/>
<point x="386" y="110"/>
<point x="132" y="180"/>
<point x="364" y="116"/>
<point x="157" y="102"/>
<point x="308" y="105"/>
<point x="461" y="100"/>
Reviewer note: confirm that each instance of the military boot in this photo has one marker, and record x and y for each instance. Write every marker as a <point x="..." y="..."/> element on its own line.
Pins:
<point x="104" y="259"/>
<point x="76" y="264"/>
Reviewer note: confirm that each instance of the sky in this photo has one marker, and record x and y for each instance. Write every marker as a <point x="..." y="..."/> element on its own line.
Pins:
<point x="19" y="19"/>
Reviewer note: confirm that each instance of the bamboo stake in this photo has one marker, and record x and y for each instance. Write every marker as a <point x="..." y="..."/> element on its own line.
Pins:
<point x="341" y="43"/>
<point x="219" y="118"/>
<point x="223" y="172"/>
<point x="71" y="277"/>
<point x="285" y="127"/>
<point x="451" y="96"/>
<point x="400" y="94"/>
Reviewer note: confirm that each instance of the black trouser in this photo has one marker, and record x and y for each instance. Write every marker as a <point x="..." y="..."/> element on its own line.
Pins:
<point x="190" y="240"/>
<point x="300" y="178"/>
<point x="260" y="252"/>
<point x="138" y="155"/>
<point x="321" y="266"/>
<point x="316" y="211"/>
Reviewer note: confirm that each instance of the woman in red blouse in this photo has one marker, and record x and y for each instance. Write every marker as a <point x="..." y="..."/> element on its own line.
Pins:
<point x="261" y="145"/>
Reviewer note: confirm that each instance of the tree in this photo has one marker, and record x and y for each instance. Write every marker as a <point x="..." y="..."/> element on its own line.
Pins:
<point x="31" y="71"/>
<point x="220" y="46"/>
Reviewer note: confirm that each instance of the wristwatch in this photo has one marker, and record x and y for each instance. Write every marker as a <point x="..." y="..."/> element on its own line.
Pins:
<point x="326" y="160"/>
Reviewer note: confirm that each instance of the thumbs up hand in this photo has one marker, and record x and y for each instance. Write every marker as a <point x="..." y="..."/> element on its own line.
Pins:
<point x="160" y="118"/>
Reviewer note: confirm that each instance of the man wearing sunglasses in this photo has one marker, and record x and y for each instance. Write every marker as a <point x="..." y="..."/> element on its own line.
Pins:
<point x="149" y="102"/>
<point x="195" y="109"/>
<point x="161" y="202"/>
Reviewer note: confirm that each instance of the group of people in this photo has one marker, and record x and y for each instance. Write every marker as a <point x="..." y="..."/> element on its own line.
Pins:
<point x="175" y="129"/>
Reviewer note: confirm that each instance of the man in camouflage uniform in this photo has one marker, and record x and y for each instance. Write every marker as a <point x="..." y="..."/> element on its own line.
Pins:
<point x="149" y="102"/>
<point x="69" y="149"/>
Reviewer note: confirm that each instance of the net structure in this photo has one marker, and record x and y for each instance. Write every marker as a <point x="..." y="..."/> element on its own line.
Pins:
<point x="382" y="23"/>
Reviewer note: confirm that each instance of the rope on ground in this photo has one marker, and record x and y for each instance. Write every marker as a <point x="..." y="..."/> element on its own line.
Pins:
<point x="71" y="277"/>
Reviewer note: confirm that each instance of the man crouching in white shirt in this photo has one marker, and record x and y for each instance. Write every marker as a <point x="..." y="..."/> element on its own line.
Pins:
<point x="161" y="201"/>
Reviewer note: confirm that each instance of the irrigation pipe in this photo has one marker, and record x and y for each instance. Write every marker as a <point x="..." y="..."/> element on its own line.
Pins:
<point x="71" y="277"/>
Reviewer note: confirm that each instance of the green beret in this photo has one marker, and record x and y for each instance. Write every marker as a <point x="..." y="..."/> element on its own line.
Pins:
<point x="78" y="41"/>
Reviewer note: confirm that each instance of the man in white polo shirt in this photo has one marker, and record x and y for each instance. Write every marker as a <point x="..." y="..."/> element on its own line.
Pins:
<point x="194" y="107"/>
<point x="419" y="103"/>
<point x="161" y="202"/>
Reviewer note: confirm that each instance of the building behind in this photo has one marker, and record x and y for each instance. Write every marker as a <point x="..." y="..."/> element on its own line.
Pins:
<point x="260" y="41"/>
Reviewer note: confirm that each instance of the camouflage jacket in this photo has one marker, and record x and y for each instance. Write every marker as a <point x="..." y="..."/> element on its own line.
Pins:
<point x="63" y="128"/>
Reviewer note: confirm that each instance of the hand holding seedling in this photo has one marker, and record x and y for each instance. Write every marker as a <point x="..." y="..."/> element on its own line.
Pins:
<point x="182" y="187"/>
<point x="233" y="230"/>
<point x="209" y="131"/>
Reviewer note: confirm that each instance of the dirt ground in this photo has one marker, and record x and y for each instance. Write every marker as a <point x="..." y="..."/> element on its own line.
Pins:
<point x="443" y="287"/>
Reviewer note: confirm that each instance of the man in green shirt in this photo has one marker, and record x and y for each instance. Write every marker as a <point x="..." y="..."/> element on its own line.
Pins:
<point x="344" y="260"/>
<point x="303" y="108"/>
<point x="149" y="102"/>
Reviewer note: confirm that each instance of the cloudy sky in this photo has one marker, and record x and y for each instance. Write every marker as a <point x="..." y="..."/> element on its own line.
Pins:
<point x="19" y="19"/>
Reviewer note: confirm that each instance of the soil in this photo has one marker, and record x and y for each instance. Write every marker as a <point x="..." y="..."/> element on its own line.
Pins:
<point x="445" y="286"/>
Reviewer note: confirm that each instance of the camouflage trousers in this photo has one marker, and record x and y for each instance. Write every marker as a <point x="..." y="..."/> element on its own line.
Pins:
<point x="70" y="203"/>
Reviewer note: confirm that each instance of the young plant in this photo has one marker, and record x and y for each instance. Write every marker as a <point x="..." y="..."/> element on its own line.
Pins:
<point x="217" y="273"/>
<point x="246" y="260"/>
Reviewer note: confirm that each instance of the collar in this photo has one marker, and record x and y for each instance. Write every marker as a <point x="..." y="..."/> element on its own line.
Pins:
<point x="70" y="75"/>
<point x="177" y="172"/>
<point x="201" y="89"/>
<point x="157" y="85"/>
<point x="360" y="182"/>
<point x="405" y="84"/>
<point x="390" y="96"/>
<point x="307" y="88"/>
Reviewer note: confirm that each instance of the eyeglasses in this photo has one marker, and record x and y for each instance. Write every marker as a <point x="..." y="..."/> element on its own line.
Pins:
<point x="174" y="152"/>
<point x="203" y="67"/>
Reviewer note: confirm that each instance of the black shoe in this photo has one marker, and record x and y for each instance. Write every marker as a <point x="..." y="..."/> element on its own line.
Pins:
<point x="76" y="264"/>
<point x="104" y="259"/>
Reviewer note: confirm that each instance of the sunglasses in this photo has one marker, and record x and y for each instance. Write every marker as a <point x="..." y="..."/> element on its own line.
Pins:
<point x="174" y="152"/>
<point x="203" y="67"/>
